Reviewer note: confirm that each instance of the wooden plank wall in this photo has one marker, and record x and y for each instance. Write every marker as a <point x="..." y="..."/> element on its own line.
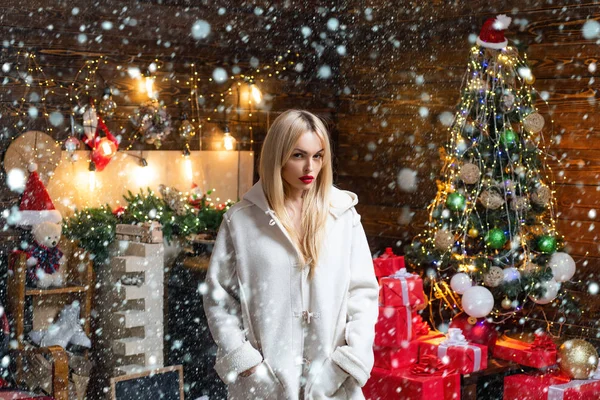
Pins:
<point x="408" y="59"/>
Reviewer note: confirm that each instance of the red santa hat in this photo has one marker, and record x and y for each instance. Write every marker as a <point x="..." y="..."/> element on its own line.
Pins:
<point x="36" y="205"/>
<point x="492" y="32"/>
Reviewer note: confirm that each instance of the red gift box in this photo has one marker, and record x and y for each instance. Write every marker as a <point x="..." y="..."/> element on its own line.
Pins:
<point x="401" y="289"/>
<point x="416" y="382"/>
<point x="387" y="263"/>
<point x="396" y="357"/>
<point x="539" y="354"/>
<point x="531" y="386"/>
<point x="455" y="351"/>
<point x="396" y="325"/>
<point x="588" y="389"/>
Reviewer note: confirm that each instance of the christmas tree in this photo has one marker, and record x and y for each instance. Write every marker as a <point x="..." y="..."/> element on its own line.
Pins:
<point x="491" y="234"/>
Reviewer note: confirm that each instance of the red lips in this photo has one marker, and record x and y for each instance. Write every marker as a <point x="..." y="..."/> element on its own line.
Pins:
<point x="307" y="179"/>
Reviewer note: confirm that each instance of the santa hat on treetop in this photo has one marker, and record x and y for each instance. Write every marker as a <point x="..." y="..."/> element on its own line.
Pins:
<point x="492" y="32"/>
<point x="36" y="205"/>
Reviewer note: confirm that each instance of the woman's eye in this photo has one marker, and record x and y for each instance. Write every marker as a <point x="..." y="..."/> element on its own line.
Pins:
<point x="318" y="155"/>
<point x="298" y="155"/>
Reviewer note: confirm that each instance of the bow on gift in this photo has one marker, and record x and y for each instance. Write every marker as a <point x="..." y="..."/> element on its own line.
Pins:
<point x="430" y="365"/>
<point x="542" y="343"/>
<point x="402" y="273"/>
<point x="455" y="337"/>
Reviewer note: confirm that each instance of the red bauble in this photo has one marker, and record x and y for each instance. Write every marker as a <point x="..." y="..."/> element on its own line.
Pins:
<point x="481" y="332"/>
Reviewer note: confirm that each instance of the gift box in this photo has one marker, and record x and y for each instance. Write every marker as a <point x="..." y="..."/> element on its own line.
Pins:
<point x="396" y="325"/>
<point x="417" y="382"/>
<point x="531" y="386"/>
<point x="388" y="263"/>
<point x="455" y="351"/>
<point x="539" y="354"/>
<point x="396" y="357"/>
<point x="401" y="289"/>
<point x="588" y="389"/>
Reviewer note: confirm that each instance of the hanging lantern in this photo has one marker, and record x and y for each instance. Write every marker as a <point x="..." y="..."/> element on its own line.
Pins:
<point x="228" y="140"/>
<point x="90" y="123"/>
<point x="107" y="105"/>
<point x="104" y="147"/>
<point x="72" y="144"/>
<point x="186" y="129"/>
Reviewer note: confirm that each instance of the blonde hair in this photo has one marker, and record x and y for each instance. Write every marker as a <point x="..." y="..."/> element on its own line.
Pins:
<point x="276" y="151"/>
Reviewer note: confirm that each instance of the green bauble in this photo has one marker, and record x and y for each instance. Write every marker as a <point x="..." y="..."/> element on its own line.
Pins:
<point x="508" y="137"/>
<point x="496" y="238"/>
<point x="456" y="201"/>
<point x="546" y="244"/>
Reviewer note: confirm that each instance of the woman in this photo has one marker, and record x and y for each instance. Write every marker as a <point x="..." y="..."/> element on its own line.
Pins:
<point x="292" y="295"/>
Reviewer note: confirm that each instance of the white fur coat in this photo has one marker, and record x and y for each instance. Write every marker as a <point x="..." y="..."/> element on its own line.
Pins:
<point x="311" y="338"/>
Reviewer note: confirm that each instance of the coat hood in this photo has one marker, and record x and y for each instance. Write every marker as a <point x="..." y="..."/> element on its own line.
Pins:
<point x="340" y="201"/>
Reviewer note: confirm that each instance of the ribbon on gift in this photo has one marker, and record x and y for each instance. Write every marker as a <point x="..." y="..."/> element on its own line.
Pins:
<point x="409" y="323"/>
<point x="430" y="365"/>
<point x="402" y="275"/>
<point x="456" y="338"/>
<point x="542" y="343"/>
<point x="557" y="392"/>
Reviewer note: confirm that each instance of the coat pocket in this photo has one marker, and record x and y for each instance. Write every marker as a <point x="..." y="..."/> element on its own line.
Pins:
<point x="261" y="385"/>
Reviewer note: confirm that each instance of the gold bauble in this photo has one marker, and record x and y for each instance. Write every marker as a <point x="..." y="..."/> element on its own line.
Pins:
<point x="470" y="173"/>
<point x="472" y="320"/>
<point x="491" y="199"/>
<point x="443" y="239"/>
<point x="506" y="303"/>
<point x="494" y="277"/>
<point x="474" y="233"/>
<point x="577" y="358"/>
<point x="541" y="196"/>
<point x="534" y="123"/>
<point x="530" y="79"/>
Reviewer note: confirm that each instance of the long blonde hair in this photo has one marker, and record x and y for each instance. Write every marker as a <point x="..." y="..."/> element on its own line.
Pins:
<point x="276" y="151"/>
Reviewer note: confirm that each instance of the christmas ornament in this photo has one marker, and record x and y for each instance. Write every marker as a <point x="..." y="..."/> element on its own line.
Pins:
<point x="507" y="102"/>
<point x="562" y="265"/>
<point x="90" y="123"/>
<point x="443" y="239"/>
<point x="476" y="330"/>
<point x="492" y="33"/>
<point x="494" y="277"/>
<point x="473" y="232"/>
<point x="520" y="204"/>
<point x="530" y="268"/>
<point x="577" y="358"/>
<point x="186" y="129"/>
<point x="103" y="144"/>
<point x="107" y="105"/>
<point x="533" y="123"/>
<point x="541" y="195"/>
<point x="506" y="303"/>
<point x="461" y="282"/>
<point x="508" y="138"/>
<point x="546" y="244"/>
<point x="456" y="201"/>
<point x="67" y="329"/>
<point x="530" y="79"/>
<point x="551" y="290"/>
<point x="71" y="145"/>
<point x="510" y="274"/>
<point x="153" y="122"/>
<point x="470" y="173"/>
<point x="477" y="301"/>
<point x="495" y="238"/>
<point x="491" y="199"/>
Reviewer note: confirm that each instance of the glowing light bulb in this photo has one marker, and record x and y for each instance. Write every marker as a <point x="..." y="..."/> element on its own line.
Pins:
<point x="256" y="93"/>
<point x="228" y="141"/>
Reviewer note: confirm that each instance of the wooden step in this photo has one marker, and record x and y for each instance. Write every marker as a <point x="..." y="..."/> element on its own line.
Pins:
<point x="145" y="250"/>
<point x="127" y="292"/>
<point x="131" y="318"/>
<point x="124" y="264"/>
<point x="134" y="345"/>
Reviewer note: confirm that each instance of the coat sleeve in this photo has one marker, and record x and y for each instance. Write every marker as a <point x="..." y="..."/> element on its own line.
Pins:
<point x="356" y="357"/>
<point x="224" y="313"/>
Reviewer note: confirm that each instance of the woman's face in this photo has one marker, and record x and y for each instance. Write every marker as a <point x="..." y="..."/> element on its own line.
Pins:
<point x="304" y="165"/>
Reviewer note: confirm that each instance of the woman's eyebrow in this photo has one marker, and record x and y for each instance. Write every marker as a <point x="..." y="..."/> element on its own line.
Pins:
<point x="304" y="152"/>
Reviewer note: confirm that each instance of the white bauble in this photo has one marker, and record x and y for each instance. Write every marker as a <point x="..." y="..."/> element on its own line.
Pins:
<point x="562" y="265"/>
<point x="477" y="301"/>
<point x="552" y="288"/>
<point x="460" y="282"/>
<point x="511" y="274"/>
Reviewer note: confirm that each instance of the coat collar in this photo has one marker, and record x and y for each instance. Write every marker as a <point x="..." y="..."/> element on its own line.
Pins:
<point x="339" y="200"/>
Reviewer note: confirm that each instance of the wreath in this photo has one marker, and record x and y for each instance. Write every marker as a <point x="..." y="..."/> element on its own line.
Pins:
<point x="153" y="123"/>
